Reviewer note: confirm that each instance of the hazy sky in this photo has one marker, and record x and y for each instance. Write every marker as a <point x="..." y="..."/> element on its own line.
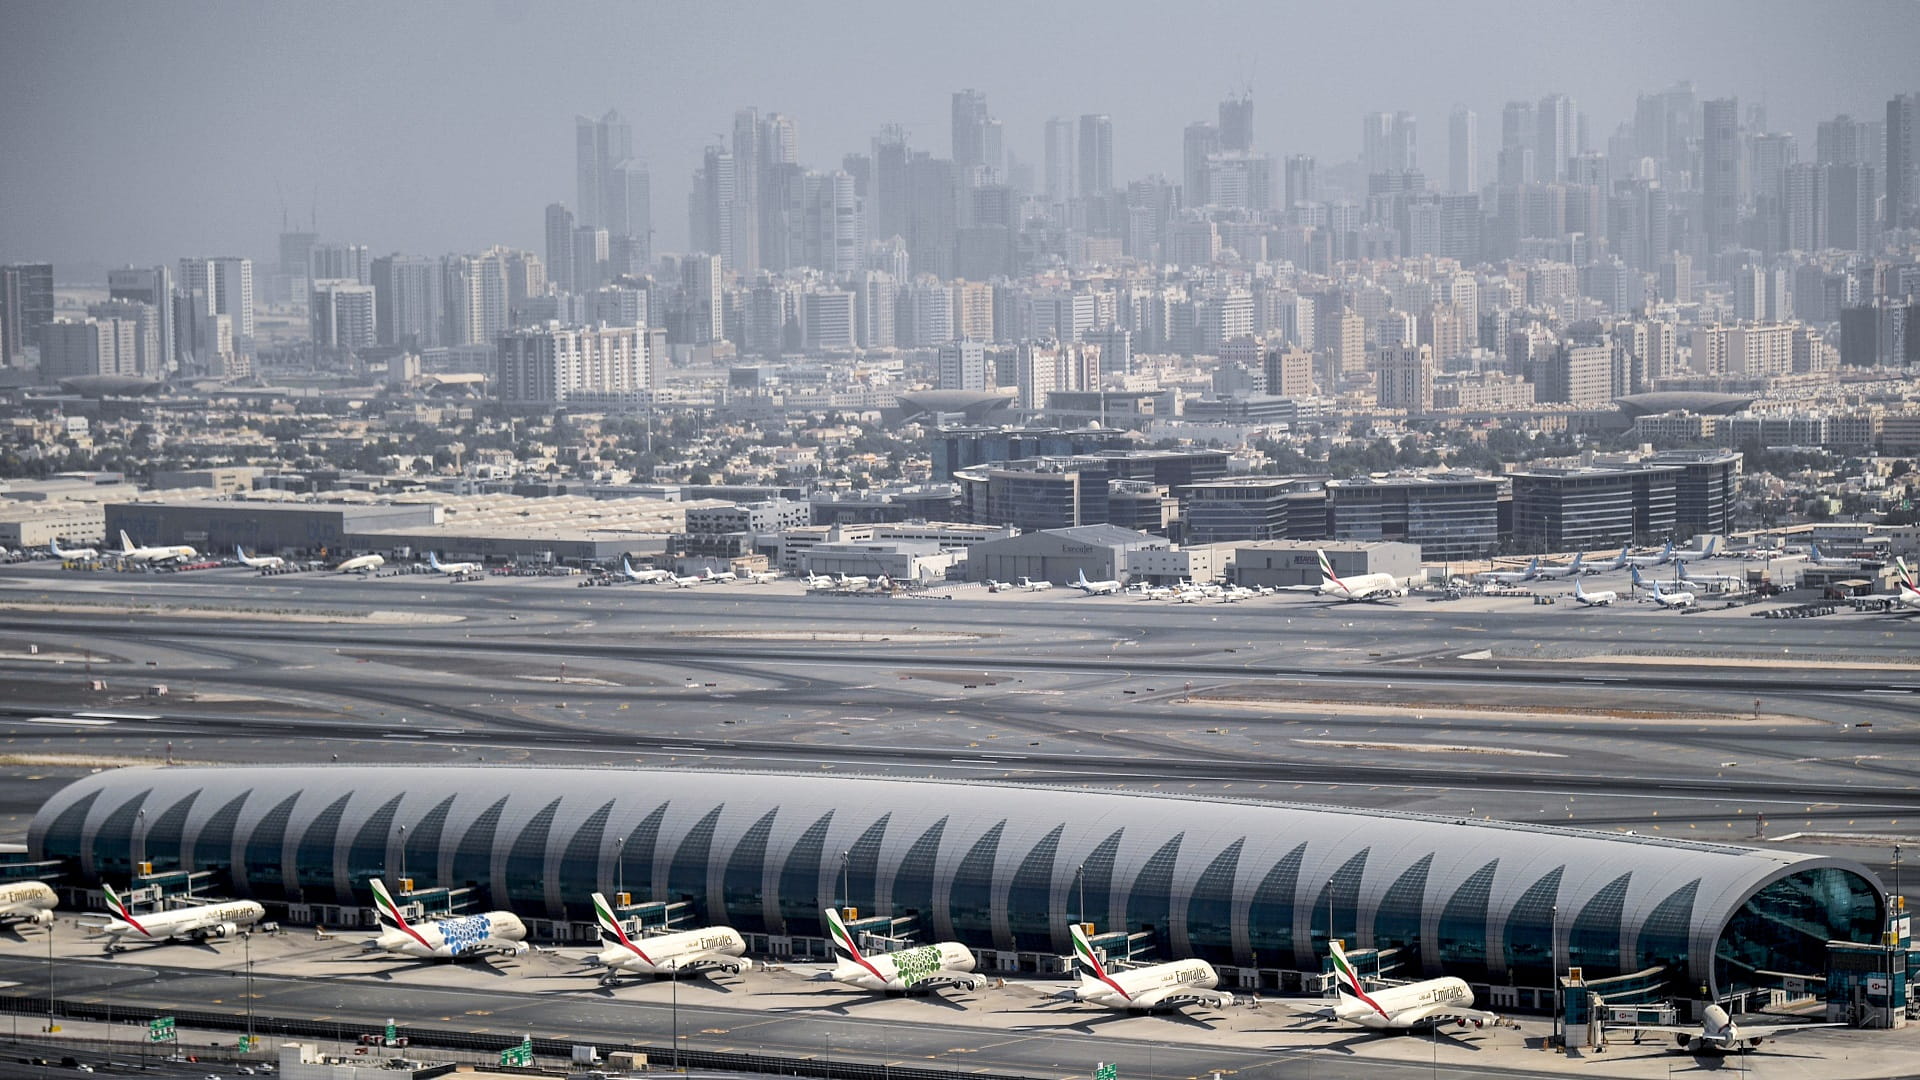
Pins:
<point x="142" y="132"/>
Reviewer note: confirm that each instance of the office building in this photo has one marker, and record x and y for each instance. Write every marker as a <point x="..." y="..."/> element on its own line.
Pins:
<point x="1406" y="378"/>
<point x="1451" y="516"/>
<point x="1254" y="508"/>
<point x="560" y="246"/>
<point x="152" y="286"/>
<point x="1060" y="161"/>
<point x="1555" y="139"/>
<point x="1591" y="508"/>
<point x="342" y="315"/>
<point x="1300" y="181"/>
<point x="1720" y="169"/>
<point x="1236" y="123"/>
<point x="338" y="262"/>
<point x="1463" y="151"/>
<point x="71" y="348"/>
<point x="554" y="364"/>
<point x="409" y="300"/>
<point x="970" y="121"/>
<point x="828" y="319"/>
<point x="1096" y="154"/>
<point x="963" y="366"/>
<point x="26" y="305"/>
<point x="1903" y="161"/>
<point x="1704" y="490"/>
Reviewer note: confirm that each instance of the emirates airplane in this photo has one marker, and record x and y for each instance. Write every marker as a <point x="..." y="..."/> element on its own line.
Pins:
<point x="28" y="902"/>
<point x="198" y="923"/>
<point x="924" y="967"/>
<point x="445" y="939"/>
<point x="715" y="948"/>
<point x="1157" y="986"/>
<point x="1358" y="587"/>
<point x="1400" y="1008"/>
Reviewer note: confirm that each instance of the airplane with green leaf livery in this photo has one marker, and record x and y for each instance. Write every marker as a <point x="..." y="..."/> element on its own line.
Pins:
<point x="923" y="967"/>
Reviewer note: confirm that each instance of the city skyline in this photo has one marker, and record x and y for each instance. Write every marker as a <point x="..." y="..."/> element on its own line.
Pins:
<point x="126" y="175"/>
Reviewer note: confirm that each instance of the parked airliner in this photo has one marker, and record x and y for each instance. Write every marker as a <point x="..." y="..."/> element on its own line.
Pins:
<point x="1698" y="556"/>
<point x="1593" y="599"/>
<point x="1813" y="555"/>
<point x="259" y="562"/>
<point x="1510" y="577"/>
<point x="1399" y="1008"/>
<point x="452" y="568"/>
<point x="1679" y="598"/>
<point x="1358" y="587"/>
<point x="716" y="947"/>
<point x="1031" y="585"/>
<point x="1624" y="560"/>
<point x="85" y="554"/>
<point x="164" y="553"/>
<point x="1718" y="1034"/>
<point x="1723" y="580"/>
<point x="1156" y="986"/>
<point x="445" y="939"/>
<point x="1572" y="569"/>
<point x="29" y="902"/>
<point x="203" y="921"/>
<point x="361" y="564"/>
<point x="650" y="576"/>
<point x="924" y="967"/>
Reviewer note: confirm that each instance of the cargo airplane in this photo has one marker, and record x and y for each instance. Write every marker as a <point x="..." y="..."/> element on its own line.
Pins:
<point x="648" y="576"/>
<point x="166" y="553"/>
<point x="1358" y="587"/>
<point x="361" y="564"/>
<point x="200" y="922"/>
<point x="1097" y="588"/>
<point x="29" y="902"/>
<point x="453" y="569"/>
<point x="1399" y="1008"/>
<point x="445" y="939"/>
<point x="258" y="562"/>
<point x="923" y="967"/>
<point x="717" y="948"/>
<point x="1156" y="986"/>
<point x="1718" y="1034"/>
<point x="85" y="554"/>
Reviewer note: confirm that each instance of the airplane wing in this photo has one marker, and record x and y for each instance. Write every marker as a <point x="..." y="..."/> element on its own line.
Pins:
<point x="1183" y="995"/>
<point x="1695" y="1031"/>
<point x="712" y="958"/>
<point x="1775" y="1031"/>
<point x="966" y="980"/>
<point x="9" y="911"/>
<point x="1441" y="1011"/>
<point x="503" y="946"/>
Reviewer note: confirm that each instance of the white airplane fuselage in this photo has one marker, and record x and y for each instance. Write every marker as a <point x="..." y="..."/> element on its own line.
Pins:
<point x="1123" y="989"/>
<point x="209" y="920"/>
<point x="1404" y="1007"/>
<point x="361" y="564"/>
<point x="904" y="970"/>
<point x="449" y="939"/>
<point x="1363" y="587"/>
<point x="666" y="954"/>
<point x="29" y="902"/>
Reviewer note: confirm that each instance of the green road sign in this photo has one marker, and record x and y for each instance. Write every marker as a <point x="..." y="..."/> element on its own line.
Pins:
<point x="160" y="1029"/>
<point x="518" y="1056"/>
<point x="246" y="1044"/>
<point x="1106" y="1072"/>
<point x="392" y="1032"/>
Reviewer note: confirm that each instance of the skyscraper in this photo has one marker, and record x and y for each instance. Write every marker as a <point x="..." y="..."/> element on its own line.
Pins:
<point x="1201" y="141"/>
<point x="969" y="129"/>
<point x="342" y="315"/>
<point x="409" y="301"/>
<point x="1376" y="131"/>
<point x="26" y="305"/>
<point x="1841" y="141"/>
<point x="1554" y="139"/>
<point x="1903" y="161"/>
<point x="1059" y="163"/>
<point x="1300" y="183"/>
<point x="1519" y="132"/>
<point x="1096" y="154"/>
<point x="152" y="286"/>
<point x="1236" y="122"/>
<point x="600" y="146"/>
<point x="560" y="246"/>
<point x="1720" y="172"/>
<point x="1403" y="145"/>
<point x="1463" y="151"/>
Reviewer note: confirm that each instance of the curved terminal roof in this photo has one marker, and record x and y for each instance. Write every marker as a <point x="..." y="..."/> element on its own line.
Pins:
<point x="996" y="866"/>
<point x="975" y="404"/>
<point x="1693" y="401"/>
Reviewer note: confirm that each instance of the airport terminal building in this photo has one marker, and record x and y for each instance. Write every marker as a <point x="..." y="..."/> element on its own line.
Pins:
<point x="1249" y="885"/>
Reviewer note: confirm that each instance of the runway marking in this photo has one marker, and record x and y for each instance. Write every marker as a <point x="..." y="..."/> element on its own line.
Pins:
<point x="68" y="721"/>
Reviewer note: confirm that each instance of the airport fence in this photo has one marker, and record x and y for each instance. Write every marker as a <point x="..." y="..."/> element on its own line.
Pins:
<point x="268" y="1027"/>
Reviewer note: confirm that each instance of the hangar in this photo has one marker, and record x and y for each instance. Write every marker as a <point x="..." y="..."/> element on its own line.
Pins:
<point x="1003" y="868"/>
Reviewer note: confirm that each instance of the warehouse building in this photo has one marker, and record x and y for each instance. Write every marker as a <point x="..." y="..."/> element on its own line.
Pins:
<point x="1059" y="555"/>
<point x="1280" y="564"/>
<point x="1257" y="887"/>
<point x="214" y="525"/>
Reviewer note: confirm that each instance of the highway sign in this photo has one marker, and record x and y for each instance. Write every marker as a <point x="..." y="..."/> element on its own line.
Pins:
<point x="160" y="1029"/>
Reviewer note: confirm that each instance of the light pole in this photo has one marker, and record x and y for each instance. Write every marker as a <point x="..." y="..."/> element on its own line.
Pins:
<point x="246" y="950"/>
<point x="1553" y="959"/>
<point x="619" y="865"/>
<point x="846" y="882"/>
<point x="50" y="1028"/>
<point x="403" y="855"/>
<point x="676" y="1019"/>
<point x="1080" y="879"/>
<point x="140" y="835"/>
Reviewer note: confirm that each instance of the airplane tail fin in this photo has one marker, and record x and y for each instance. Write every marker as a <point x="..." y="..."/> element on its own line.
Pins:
<point x="1906" y="575"/>
<point x="1082" y="581"/>
<point x="1712" y="543"/>
<point x="53" y="545"/>
<point x="1813" y="550"/>
<point x="625" y="566"/>
<point x="1579" y="589"/>
<point x="240" y="552"/>
<point x="384" y="909"/>
<point x="609" y="925"/>
<point x="1684" y="575"/>
<point x="433" y="560"/>
<point x="1579" y="558"/>
<point x="1638" y="582"/>
<point x="118" y="905"/>
<point x="843" y="946"/>
<point x="1533" y="567"/>
<point x="125" y="543"/>
<point x="1326" y="567"/>
<point x="1083" y="954"/>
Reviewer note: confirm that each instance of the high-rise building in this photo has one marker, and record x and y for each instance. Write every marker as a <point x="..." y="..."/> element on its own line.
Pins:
<point x="341" y="315"/>
<point x="700" y="281"/>
<point x="963" y="365"/>
<point x="712" y="205"/>
<point x="970" y="121"/>
<point x="1300" y="181"/>
<point x="1376" y="132"/>
<point x="1804" y="207"/>
<point x="1903" y="161"/>
<point x="1406" y="378"/>
<point x="1059" y="161"/>
<point x="1555" y="139"/>
<point x="409" y="299"/>
<point x="591" y="251"/>
<point x="339" y="262"/>
<point x="1851" y="223"/>
<point x="1200" y="142"/>
<point x="600" y="146"/>
<point x="1720" y="173"/>
<point x="1096" y="154"/>
<point x="1842" y="141"/>
<point x="560" y="246"/>
<point x="1519" y="137"/>
<point x="553" y="365"/>
<point x="26" y="305"/>
<point x="1463" y="151"/>
<point x="145" y="359"/>
<point x="152" y="286"/>
<point x="475" y="291"/>
<point x="79" y="347"/>
<point x="1236" y="122"/>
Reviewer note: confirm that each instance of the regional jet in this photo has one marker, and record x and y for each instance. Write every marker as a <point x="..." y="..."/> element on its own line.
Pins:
<point x="716" y="948"/>
<point x="1718" y="1034"/>
<point x="165" y="553"/>
<point x="648" y="576"/>
<point x="1359" y="587"/>
<point x="724" y="577"/>
<point x="1031" y="585"/>
<point x="1510" y="577"/>
<point x="687" y="582"/>
<point x="453" y="569"/>
<point x="924" y="967"/>
<point x="1593" y="599"/>
<point x="1096" y="588"/>
<point x="29" y="902"/>
<point x="1572" y="569"/>
<point x="85" y="554"/>
<point x="361" y="564"/>
<point x="200" y="922"/>
<point x="1156" y="986"/>
<point x="1399" y="1008"/>
<point x="445" y="939"/>
<point x="259" y="562"/>
<point x="761" y="577"/>
<point x="857" y="581"/>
